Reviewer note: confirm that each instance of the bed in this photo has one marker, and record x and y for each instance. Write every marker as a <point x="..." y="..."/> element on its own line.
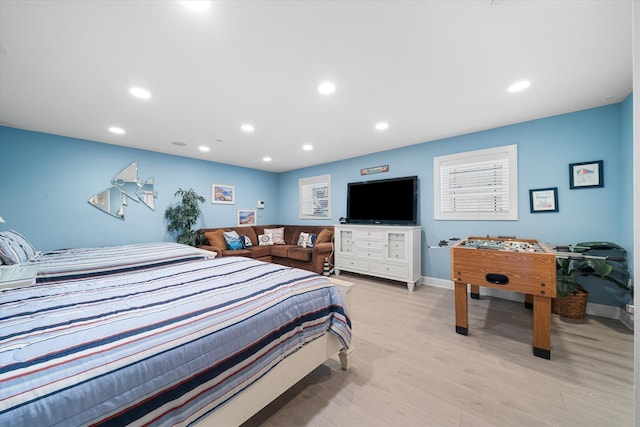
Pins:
<point x="81" y="263"/>
<point x="213" y="339"/>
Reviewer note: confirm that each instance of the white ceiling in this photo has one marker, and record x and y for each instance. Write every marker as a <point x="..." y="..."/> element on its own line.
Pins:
<point x="431" y="69"/>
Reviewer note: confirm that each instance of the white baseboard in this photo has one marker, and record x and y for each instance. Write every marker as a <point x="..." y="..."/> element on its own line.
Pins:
<point x="436" y="283"/>
<point x="593" y="309"/>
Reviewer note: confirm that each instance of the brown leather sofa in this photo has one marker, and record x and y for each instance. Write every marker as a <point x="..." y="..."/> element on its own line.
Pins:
<point x="289" y="253"/>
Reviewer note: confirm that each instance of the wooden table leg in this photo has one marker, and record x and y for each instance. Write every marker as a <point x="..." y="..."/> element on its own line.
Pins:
<point x="475" y="291"/>
<point x="462" y="314"/>
<point x="541" y="327"/>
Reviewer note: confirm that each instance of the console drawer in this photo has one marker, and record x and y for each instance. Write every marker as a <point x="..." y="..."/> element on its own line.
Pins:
<point x="349" y="263"/>
<point x="389" y="269"/>
<point x="369" y="253"/>
<point x="369" y="234"/>
<point x="370" y="244"/>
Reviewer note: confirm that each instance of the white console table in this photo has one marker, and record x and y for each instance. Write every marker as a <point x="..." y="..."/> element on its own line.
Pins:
<point x="390" y="252"/>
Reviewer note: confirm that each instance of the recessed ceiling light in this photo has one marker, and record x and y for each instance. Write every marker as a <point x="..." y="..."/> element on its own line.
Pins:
<point x="266" y="159"/>
<point x="326" y="88"/>
<point x="115" y="129"/>
<point x="307" y="147"/>
<point x="382" y="125"/>
<point x="196" y="5"/>
<point x="139" y="92"/>
<point x="179" y="143"/>
<point x="204" y="148"/>
<point x="518" y="86"/>
<point x="247" y="127"/>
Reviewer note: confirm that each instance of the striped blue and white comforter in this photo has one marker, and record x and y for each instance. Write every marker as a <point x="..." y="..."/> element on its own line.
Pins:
<point x="82" y="263"/>
<point x="160" y="346"/>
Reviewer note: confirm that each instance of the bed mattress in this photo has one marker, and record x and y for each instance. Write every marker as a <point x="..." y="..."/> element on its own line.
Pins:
<point x="81" y="263"/>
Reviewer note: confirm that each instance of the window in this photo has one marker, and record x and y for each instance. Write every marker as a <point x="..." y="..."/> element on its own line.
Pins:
<point x="315" y="197"/>
<point x="477" y="185"/>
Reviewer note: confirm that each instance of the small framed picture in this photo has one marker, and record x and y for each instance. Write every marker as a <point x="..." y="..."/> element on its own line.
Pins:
<point x="223" y="194"/>
<point x="586" y="175"/>
<point x="543" y="200"/>
<point x="246" y="217"/>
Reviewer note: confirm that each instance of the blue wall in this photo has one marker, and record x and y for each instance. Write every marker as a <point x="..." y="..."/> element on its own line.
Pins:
<point x="47" y="180"/>
<point x="546" y="147"/>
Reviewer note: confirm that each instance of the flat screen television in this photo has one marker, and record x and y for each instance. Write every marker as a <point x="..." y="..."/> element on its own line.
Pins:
<point x="387" y="201"/>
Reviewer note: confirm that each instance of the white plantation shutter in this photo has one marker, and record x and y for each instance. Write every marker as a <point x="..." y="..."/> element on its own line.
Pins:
<point x="477" y="185"/>
<point x="315" y="197"/>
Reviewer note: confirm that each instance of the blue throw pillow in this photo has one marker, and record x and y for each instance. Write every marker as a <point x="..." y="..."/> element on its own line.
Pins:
<point x="233" y="240"/>
<point x="246" y="241"/>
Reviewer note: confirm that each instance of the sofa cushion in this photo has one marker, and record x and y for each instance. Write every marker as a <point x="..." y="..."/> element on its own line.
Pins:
<point x="324" y="236"/>
<point x="278" y="235"/>
<point x="260" y="251"/>
<point x="291" y="234"/>
<point x="252" y="252"/>
<point x="237" y="252"/>
<point x="216" y="238"/>
<point x="300" y="254"/>
<point x="281" y="251"/>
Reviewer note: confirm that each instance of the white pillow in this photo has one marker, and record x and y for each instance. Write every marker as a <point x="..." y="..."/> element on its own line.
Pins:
<point x="278" y="235"/>
<point x="303" y="239"/>
<point x="265" y="239"/>
<point x="25" y="248"/>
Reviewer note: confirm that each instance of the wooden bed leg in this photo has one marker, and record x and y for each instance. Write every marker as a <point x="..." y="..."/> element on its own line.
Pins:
<point x="345" y="357"/>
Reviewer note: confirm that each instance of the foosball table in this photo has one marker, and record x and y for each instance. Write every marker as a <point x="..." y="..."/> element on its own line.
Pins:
<point x="517" y="265"/>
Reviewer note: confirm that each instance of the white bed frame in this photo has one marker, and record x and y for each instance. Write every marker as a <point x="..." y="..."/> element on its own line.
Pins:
<point x="284" y="375"/>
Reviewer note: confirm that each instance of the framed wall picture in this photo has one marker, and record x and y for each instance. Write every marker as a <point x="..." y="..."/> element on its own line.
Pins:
<point x="543" y="200"/>
<point x="246" y="217"/>
<point x="223" y="194"/>
<point x="586" y="175"/>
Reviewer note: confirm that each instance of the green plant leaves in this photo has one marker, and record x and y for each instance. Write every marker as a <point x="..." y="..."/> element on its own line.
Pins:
<point x="182" y="217"/>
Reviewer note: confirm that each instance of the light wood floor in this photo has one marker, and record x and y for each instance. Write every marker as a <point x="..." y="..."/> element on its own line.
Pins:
<point x="410" y="368"/>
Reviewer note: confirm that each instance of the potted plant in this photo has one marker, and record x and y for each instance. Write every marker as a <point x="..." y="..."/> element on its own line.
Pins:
<point x="182" y="217"/>
<point x="571" y="300"/>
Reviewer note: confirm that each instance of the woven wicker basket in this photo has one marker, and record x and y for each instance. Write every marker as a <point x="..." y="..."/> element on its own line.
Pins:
<point x="573" y="306"/>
